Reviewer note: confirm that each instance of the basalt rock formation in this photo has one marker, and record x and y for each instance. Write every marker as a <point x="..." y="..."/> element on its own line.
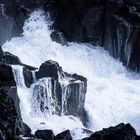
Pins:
<point x="113" y="24"/>
<point x="65" y="92"/>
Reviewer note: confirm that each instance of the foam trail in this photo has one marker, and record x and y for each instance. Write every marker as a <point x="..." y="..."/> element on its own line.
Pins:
<point x="112" y="96"/>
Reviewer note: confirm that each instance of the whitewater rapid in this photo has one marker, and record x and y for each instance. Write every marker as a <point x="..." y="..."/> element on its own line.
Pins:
<point x="113" y="93"/>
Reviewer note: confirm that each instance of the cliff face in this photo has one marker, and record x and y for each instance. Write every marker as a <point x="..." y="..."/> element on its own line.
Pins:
<point x="113" y="24"/>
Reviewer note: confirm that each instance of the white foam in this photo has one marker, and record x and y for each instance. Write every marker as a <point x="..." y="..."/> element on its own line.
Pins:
<point x="112" y="96"/>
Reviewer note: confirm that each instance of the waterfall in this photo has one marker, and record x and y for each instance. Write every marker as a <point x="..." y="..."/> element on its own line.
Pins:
<point x="42" y="97"/>
<point x="113" y="93"/>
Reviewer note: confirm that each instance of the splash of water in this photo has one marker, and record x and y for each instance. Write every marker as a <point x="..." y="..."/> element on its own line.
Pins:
<point x="113" y="95"/>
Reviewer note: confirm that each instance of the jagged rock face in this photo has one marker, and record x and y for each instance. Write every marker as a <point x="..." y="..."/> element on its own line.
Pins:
<point x="10" y="118"/>
<point x="58" y="37"/>
<point x="113" y="24"/>
<point x="12" y="16"/>
<point x="59" y="93"/>
<point x="119" y="132"/>
<point x="9" y="58"/>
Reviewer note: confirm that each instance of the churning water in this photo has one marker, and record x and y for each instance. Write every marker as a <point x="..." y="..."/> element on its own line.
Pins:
<point x="113" y="93"/>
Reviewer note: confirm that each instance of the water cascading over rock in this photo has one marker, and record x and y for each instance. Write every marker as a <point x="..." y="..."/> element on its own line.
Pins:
<point x="59" y="93"/>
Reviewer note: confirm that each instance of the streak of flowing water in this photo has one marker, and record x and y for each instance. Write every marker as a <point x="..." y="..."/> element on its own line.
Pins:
<point x="113" y="94"/>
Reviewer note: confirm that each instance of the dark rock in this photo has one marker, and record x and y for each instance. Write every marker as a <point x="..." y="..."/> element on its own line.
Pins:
<point x="45" y="134"/>
<point x="111" y="24"/>
<point x="12" y="17"/>
<point x="59" y="37"/>
<point x="10" y="118"/>
<point x="27" y="130"/>
<point x="64" y="136"/>
<point x="65" y="98"/>
<point x="9" y="58"/>
<point x="137" y="138"/>
<point x="28" y="76"/>
<point x="16" y="138"/>
<point x="1" y="136"/>
<point x="1" y="54"/>
<point x="49" y="69"/>
<point x="47" y="92"/>
<point x="119" y="132"/>
<point x="6" y="75"/>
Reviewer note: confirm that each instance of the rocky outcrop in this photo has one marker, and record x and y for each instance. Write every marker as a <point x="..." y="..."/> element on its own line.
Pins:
<point x="58" y="92"/>
<point x="58" y="37"/>
<point x="119" y="132"/>
<point x="10" y="119"/>
<point x="113" y="24"/>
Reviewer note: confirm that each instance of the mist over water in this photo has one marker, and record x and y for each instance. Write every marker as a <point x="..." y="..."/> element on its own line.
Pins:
<point x="113" y="93"/>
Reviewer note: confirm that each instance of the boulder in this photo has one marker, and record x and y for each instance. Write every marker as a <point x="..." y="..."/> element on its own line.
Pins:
<point x="64" y="136"/>
<point x="58" y="37"/>
<point x="119" y="132"/>
<point x="44" y="134"/>
<point x="50" y="69"/>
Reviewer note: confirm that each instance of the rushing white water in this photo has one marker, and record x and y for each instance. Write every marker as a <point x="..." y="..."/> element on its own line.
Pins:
<point x="113" y="94"/>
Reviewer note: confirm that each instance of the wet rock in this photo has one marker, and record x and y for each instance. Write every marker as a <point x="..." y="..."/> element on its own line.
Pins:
<point x="9" y="58"/>
<point x="28" y="76"/>
<point x="58" y="37"/>
<point x="45" y="134"/>
<point x="137" y="138"/>
<point x="27" y="130"/>
<point x="119" y="132"/>
<point x="64" y="136"/>
<point x="1" y="136"/>
<point x="10" y="118"/>
<point x="59" y="92"/>
<point x="50" y="69"/>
